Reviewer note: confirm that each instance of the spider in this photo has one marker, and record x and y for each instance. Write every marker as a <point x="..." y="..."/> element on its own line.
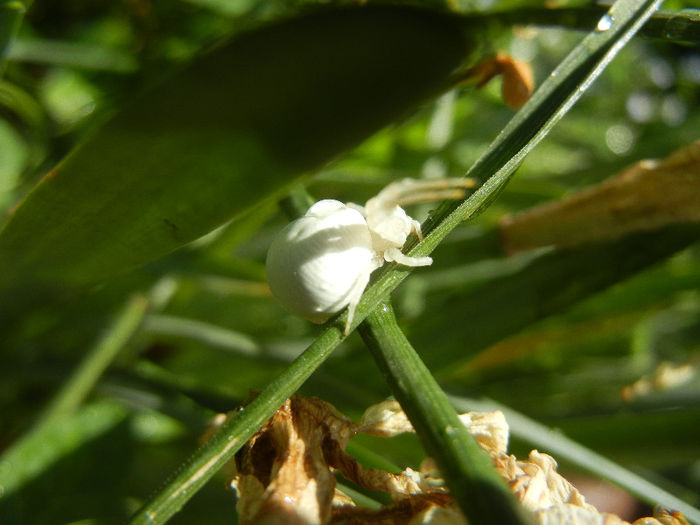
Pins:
<point x="321" y="263"/>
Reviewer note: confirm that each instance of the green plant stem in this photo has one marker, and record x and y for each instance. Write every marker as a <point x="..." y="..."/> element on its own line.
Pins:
<point x="473" y="482"/>
<point x="84" y="378"/>
<point x="675" y="26"/>
<point x="534" y="121"/>
<point x="554" y="98"/>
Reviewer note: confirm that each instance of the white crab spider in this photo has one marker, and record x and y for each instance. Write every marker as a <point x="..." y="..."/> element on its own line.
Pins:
<point x="321" y="263"/>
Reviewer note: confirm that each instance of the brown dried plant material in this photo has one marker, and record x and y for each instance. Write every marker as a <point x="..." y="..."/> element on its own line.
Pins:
<point x="647" y="196"/>
<point x="518" y="80"/>
<point x="285" y="474"/>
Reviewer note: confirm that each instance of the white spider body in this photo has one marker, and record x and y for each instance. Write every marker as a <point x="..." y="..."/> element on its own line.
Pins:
<point x="321" y="263"/>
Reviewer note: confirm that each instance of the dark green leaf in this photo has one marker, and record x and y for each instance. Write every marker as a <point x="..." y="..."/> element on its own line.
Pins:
<point x="215" y="139"/>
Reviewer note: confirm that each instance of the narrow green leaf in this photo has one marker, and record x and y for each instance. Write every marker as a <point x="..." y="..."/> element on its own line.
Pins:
<point x="473" y="482"/>
<point x="676" y="26"/>
<point x="207" y="333"/>
<point x="532" y="123"/>
<point x="547" y="284"/>
<point x="680" y="27"/>
<point x="96" y="361"/>
<point x="69" y="54"/>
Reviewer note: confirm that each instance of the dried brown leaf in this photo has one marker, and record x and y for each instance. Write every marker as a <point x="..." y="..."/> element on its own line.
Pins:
<point x="283" y="476"/>
<point x="647" y="196"/>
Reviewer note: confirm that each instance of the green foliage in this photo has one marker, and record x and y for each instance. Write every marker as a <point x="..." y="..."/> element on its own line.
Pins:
<point x="143" y="150"/>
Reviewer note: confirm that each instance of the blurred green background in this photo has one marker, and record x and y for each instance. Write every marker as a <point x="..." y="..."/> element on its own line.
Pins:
<point x="562" y="336"/>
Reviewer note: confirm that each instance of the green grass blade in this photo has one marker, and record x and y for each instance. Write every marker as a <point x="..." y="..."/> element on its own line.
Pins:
<point x="676" y="26"/>
<point x="85" y="377"/>
<point x="473" y="482"/>
<point x="550" y="283"/>
<point x="549" y="104"/>
<point x="566" y="449"/>
<point x="72" y="55"/>
<point x="64" y="426"/>
<point x="532" y="123"/>
<point x="680" y="27"/>
<point x="207" y="333"/>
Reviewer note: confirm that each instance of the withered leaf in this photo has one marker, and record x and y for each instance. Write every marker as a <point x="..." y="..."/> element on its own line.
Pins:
<point x="647" y="196"/>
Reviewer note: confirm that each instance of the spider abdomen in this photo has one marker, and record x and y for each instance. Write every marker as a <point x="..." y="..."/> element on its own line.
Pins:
<point x="316" y="262"/>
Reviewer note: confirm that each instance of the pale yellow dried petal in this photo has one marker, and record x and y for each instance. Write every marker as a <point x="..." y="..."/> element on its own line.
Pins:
<point x="536" y="482"/>
<point x="666" y="376"/>
<point x="489" y="428"/>
<point x="668" y="517"/>
<point x="385" y="419"/>
<point x="409" y="482"/>
<point x="340" y="499"/>
<point x="564" y="514"/>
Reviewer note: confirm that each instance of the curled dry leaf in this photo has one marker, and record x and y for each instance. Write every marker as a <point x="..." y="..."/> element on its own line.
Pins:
<point x="518" y="80"/>
<point x="286" y="474"/>
<point x="647" y="196"/>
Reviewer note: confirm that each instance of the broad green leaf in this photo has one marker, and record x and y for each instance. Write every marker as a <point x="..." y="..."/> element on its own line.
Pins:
<point x="231" y="129"/>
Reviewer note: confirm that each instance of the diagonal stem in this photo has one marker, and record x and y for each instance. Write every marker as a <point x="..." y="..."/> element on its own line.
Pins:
<point x="473" y="482"/>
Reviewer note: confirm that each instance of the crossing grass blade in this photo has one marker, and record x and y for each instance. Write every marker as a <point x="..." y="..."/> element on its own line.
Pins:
<point x="474" y="484"/>
<point x="554" y="98"/>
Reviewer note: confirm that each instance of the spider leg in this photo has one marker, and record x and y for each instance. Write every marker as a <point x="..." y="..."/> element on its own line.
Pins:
<point x="415" y="228"/>
<point x="410" y="191"/>
<point x="396" y="255"/>
<point x="355" y="293"/>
